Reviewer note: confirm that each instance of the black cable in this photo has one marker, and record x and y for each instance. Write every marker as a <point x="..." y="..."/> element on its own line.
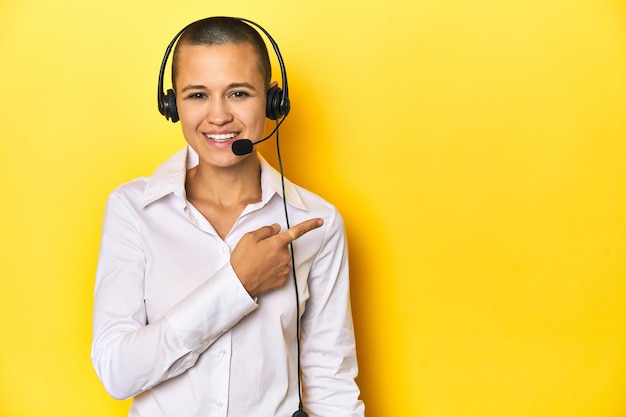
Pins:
<point x="300" y="412"/>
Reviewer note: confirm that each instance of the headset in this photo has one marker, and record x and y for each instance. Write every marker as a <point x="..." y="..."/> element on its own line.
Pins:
<point x="277" y="108"/>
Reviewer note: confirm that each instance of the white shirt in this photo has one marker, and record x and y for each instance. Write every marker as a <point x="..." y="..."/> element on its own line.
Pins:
<point x="174" y="328"/>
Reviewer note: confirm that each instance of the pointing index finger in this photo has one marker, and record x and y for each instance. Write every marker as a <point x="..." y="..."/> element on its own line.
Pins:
<point x="300" y="229"/>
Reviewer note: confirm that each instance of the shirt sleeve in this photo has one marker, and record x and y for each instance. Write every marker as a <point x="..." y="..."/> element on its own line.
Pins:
<point x="130" y="355"/>
<point x="328" y="351"/>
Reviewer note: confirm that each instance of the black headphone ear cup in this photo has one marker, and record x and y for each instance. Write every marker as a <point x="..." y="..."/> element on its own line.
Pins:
<point x="169" y="102"/>
<point x="272" y="107"/>
<point x="285" y="106"/>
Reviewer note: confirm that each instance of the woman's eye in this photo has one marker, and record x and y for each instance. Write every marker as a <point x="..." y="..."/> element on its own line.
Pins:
<point x="196" y="96"/>
<point x="239" y="94"/>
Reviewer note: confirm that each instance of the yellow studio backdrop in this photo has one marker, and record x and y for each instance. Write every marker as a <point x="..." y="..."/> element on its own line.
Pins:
<point x="475" y="148"/>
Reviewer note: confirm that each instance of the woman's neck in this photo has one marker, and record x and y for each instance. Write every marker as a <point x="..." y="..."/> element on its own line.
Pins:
<point x="221" y="194"/>
<point x="230" y="186"/>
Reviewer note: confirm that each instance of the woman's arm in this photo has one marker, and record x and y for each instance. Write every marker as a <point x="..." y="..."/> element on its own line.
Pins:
<point x="328" y="353"/>
<point x="129" y="354"/>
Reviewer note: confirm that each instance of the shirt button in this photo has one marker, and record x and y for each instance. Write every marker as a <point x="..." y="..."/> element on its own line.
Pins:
<point x="222" y="353"/>
<point x="219" y="404"/>
<point x="224" y="249"/>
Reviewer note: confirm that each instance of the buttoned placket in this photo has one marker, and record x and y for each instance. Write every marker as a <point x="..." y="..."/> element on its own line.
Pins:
<point x="217" y="404"/>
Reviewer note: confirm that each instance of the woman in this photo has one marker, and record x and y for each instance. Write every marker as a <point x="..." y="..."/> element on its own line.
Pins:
<point x="194" y="310"/>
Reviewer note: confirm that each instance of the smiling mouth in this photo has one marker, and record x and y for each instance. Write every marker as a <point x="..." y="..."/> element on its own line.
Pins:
<point x="222" y="137"/>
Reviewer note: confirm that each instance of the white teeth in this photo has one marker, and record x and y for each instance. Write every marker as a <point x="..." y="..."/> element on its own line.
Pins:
<point x="221" y="137"/>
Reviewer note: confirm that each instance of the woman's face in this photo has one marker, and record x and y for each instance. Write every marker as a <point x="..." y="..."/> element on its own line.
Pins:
<point x="220" y="97"/>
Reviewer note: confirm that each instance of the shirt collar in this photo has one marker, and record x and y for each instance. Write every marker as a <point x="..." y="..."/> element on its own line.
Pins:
<point x="169" y="178"/>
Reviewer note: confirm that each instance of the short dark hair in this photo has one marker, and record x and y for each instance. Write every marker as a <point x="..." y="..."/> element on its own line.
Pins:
<point x="223" y="31"/>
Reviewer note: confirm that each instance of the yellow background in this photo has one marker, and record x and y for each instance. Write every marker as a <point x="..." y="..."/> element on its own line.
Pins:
<point x="475" y="148"/>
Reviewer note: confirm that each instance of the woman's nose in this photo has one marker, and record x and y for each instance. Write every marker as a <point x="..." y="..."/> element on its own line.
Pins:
<point x="218" y="112"/>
